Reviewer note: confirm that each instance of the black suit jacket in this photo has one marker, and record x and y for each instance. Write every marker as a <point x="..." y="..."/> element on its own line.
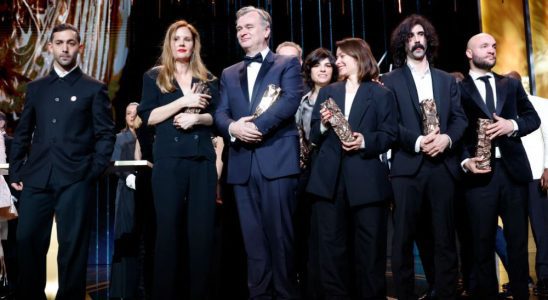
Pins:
<point x="406" y="162"/>
<point x="365" y="176"/>
<point x="169" y="141"/>
<point x="512" y="103"/>
<point x="67" y="126"/>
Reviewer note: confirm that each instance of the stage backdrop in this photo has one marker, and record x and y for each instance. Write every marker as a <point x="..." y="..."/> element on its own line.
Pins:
<point x="26" y="28"/>
<point x="506" y="21"/>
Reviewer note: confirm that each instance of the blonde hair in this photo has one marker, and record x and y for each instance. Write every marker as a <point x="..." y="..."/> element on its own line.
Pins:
<point x="167" y="63"/>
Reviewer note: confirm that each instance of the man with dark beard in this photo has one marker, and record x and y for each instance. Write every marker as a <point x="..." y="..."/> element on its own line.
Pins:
<point x="424" y="165"/>
<point x="501" y="189"/>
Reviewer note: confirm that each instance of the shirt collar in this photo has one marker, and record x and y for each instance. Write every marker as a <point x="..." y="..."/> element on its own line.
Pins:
<point x="476" y="75"/>
<point x="62" y="73"/>
<point x="415" y="71"/>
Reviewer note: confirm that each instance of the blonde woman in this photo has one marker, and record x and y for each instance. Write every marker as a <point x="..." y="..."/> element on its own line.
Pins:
<point x="184" y="176"/>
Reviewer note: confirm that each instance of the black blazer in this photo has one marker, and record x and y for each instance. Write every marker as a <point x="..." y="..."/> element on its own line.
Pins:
<point x="66" y="125"/>
<point x="405" y="161"/>
<point x="512" y="103"/>
<point x="364" y="175"/>
<point x="169" y="141"/>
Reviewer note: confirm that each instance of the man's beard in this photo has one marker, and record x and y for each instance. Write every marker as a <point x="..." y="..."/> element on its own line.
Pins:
<point x="482" y="64"/>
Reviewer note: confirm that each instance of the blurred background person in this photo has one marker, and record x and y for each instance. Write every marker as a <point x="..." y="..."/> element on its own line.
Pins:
<point x="290" y="49"/>
<point x="184" y="176"/>
<point x="337" y="175"/>
<point x="125" y="261"/>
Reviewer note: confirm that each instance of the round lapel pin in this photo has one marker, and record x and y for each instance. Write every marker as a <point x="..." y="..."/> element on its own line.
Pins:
<point x="73" y="98"/>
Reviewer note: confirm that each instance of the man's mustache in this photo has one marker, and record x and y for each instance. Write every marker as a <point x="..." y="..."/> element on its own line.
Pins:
<point x="417" y="46"/>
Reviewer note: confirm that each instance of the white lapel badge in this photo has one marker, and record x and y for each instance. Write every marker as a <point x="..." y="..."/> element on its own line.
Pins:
<point x="73" y="98"/>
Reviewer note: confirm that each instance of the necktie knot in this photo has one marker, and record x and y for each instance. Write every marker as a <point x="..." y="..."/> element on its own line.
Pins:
<point x="485" y="78"/>
<point x="257" y="58"/>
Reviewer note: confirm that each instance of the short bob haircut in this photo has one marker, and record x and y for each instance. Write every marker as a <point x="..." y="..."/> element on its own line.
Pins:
<point x="315" y="57"/>
<point x="358" y="49"/>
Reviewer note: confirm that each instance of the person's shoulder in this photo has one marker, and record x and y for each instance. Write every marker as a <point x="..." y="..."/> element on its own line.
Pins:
<point x="153" y="72"/>
<point x="392" y="74"/>
<point x="92" y="81"/>
<point x="233" y="68"/>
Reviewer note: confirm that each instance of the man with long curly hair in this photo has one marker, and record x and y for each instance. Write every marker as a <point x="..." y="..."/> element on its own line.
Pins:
<point x="424" y="164"/>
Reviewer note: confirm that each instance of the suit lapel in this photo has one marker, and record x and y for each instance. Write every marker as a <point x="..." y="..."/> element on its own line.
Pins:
<point x="501" y="94"/>
<point x="412" y="89"/>
<point x="258" y="86"/>
<point x="359" y="105"/>
<point x="435" y="88"/>
<point x="243" y="81"/>
<point x="472" y="90"/>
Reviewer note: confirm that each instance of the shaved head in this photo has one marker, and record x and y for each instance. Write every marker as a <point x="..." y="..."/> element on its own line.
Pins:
<point x="478" y="38"/>
<point x="481" y="52"/>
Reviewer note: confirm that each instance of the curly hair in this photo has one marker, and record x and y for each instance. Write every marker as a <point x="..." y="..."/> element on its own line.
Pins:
<point x="315" y="57"/>
<point x="400" y="36"/>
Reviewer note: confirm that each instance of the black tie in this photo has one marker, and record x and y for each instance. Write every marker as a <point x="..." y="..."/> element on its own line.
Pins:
<point x="489" y="99"/>
<point x="257" y="58"/>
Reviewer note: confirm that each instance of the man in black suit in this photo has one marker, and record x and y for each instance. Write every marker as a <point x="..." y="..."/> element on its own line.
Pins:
<point x="500" y="190"/>
<point x="62" y="144"/>
<point x="424" y="166"/>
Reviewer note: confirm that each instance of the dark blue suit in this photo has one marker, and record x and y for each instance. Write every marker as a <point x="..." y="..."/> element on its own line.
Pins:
<point x="353" y="186"/>
<point x="265" y="174"/>
<point x="503" y="191"/>
<point x="424" y="186"/>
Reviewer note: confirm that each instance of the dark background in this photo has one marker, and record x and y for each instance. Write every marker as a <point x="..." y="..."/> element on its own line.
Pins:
<point x="309" y="23"/>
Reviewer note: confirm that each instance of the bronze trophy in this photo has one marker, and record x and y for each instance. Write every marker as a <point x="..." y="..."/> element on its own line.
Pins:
<point x="201" y="88"/>
<point x="338" y="121"/>
<point x="483" y="148"/>
<point x="430" y="117"/>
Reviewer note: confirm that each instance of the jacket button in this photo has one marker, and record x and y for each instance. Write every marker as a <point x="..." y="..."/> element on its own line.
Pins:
<point x="176" y="139"/>
<point x="56" y="99"/>
<point x="195" y="136"/>
<point x="54" y="120"/>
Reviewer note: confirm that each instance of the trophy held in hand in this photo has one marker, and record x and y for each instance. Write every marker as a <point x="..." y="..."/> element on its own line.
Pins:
<point x="430" y="117"/>
<point x="338" y="121"/>
<point x="483" y="148"/>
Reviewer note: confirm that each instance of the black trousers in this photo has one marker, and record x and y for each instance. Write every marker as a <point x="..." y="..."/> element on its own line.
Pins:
<point x="71" y="207"/>
<point x="184" y="198"/>
<point x="366" y="227"/>
<point x="538" y="214"/>
<point x="433" y="189"/>
<point x="487" y="197"/>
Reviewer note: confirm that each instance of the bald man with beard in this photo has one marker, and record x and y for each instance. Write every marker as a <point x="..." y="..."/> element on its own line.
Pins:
<point x="500" y="190"/>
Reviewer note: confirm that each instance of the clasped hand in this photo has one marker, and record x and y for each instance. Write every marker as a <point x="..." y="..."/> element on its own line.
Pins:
<point x="245" y="130"/>
<point x="325" y="115"/>
<point x="194" y="99"/>
<point x="500" y="127"/>
<point x="185" y="121"/>
<point x="434" y="143"/>
<point x="355" y="145"/>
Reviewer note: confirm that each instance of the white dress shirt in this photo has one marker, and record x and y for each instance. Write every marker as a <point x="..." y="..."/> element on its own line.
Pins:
<point x="423" y="84"/>
<point x="252" y="72"/>
<point x="62" y="73"/>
